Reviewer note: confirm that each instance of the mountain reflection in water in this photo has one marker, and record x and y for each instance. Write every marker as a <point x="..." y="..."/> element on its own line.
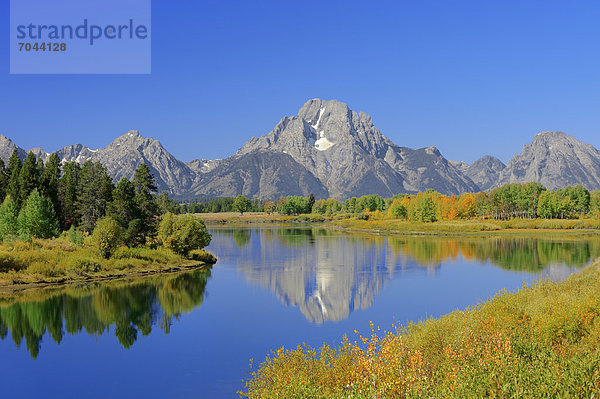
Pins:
<point x="132" y="307"/>
<point x="328" y="274"/>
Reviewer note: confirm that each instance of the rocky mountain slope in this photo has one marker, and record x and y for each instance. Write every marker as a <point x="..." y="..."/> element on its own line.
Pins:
<point x="7" y="147"/>
<point x="331" y="151"/>
<point x="484" y="172"/>
<point x="121" y="158"/>
<point x="556" y="160"/>
<point x="258" y="174"/>
<point x="350" y="156"/>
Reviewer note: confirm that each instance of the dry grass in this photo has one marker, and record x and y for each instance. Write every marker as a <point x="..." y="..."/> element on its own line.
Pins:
<point x="542" y="341"/>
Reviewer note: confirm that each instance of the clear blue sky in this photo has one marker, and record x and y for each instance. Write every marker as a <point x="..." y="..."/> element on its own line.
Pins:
<point x="471" y="77"/>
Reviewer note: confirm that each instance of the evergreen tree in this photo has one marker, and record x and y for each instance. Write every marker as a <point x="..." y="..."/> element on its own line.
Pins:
<point x="14" y="169"/>
<point x="67" y="195"/>
<point x="166" y="204"/>
<point x="40" y="168"/>
<point x="37" y="218"/>
<point x="94" y="192"/>
<point x="123" y="208"/>
<point x="29" y="177"/>
<point x="3" y="180"/>
<point x="49" y="181"/>
<point x="8" y="218"/>
<point x="311" y="203"/>
<point x="145" y="186"/>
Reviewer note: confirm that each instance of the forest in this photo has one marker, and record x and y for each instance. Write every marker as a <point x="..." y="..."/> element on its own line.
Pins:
<point x="517" y="200"/>
<point x="94" y="220"/>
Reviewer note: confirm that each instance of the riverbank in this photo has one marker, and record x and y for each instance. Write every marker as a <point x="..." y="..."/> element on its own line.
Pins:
<point x="53" y="262"/>
<point x="541" y="341"/>
<point x="461" y="227"/>
<point x="395" y="226"/>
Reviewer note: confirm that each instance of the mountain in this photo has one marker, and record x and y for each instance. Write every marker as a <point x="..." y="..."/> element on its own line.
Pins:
<point x="332" y="151"/>
<point x="350" y="156"/>
<point x="484" y="172"/>
<point x="259" y="174"/>
<point x="7" y="147"/>
<point x="327" y="149"/>
<point x="127" y="152"/>
<point x="556" y="160"/>
<point x="203" y="165"/>
<point x="121" y="158"/>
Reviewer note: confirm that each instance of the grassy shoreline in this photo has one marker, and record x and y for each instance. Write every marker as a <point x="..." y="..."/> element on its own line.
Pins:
<point x="540" y="341"/>
<point x="14" y="292"/>
<point x="150" y="271"/>
<point x="57" y="262"/>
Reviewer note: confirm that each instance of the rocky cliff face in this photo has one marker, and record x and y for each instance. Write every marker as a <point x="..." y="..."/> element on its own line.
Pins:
<point x="258" y="174"/>
<point x="556" y="160"/>
<point x="121" y="158"/>
<point x="350" y="156"/>
<point x="327" y="149"/>
<point x="332" y="151"/>
<point x="203" y="165"/>
<point x="7" y="147"/>
<point x="124" y="155"/>
<point x="484" y="172"/>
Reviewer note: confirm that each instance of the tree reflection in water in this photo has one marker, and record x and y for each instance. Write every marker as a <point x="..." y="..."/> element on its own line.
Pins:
<point x="132" y="307"/>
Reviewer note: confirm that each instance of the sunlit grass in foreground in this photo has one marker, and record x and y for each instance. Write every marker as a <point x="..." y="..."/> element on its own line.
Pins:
<point x="541" y="341"/>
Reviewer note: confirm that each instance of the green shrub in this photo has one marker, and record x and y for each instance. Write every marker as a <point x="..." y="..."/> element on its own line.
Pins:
<point x="182" y="233"/>
<point x="84" y="264"/>
<point x="37" y="218"/>
<point x="201" y="255"/>
<point x="75" y="236"/>
<point x="310" y="218"/>
<point x="8" y="218"/>
<point x="107" y="236"/>
<point x="134" y="235"/>
<point x="10" y="262"/>
<point x="45" y="269"/>
<point x="362" y="216"/>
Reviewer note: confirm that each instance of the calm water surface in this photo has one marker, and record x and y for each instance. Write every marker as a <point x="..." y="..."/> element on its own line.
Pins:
<point x="191" y="335"/>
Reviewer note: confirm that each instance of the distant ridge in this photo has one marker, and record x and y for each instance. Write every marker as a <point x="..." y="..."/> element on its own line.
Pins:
<point x="331" y="151"/>
<point x="556" y="160"/>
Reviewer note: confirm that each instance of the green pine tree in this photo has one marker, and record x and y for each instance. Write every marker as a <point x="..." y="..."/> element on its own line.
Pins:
<point x="145" y="186"/>
<point x="311" y="203"/>
<point x="94" y="193"/>
<point x="37" y="218"/>
<point x="166" y="204"/>
<point x="29" y="177"/>
<point x="8" y="218"/>
<point x="3" y="180"/>
<point x="123" y="207"/>
<point x="49" y="181"/>
<point x="14" y="169"/>
<point x="67" y="195"/>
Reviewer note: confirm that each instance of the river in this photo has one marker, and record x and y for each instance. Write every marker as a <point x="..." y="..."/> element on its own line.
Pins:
<point x="192" y="335"/>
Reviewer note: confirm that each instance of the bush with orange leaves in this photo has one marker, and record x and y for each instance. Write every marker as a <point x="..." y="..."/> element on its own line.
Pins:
<point x="542" y="341"/>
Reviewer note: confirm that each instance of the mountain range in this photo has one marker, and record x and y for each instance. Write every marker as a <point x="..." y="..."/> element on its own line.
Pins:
<point x="332" y="151"/>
